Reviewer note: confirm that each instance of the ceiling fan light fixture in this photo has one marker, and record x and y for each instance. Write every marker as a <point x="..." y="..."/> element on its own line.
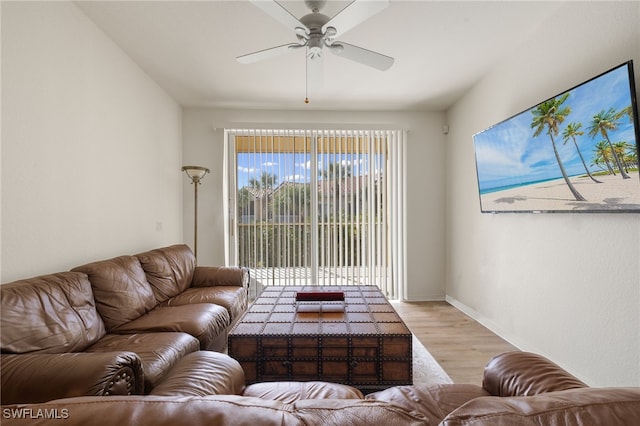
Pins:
<point x="336" y="47"/>
<point x="315" y="47"/>
<point x="314" y="54"/>
<point x="302" y="32"/>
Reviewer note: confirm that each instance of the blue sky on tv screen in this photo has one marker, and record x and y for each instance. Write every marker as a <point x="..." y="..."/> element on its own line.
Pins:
<point x="507" y="154"/>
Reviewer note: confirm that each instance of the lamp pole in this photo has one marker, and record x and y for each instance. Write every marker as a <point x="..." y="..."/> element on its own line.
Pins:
<point x="195" y="183"/>
<point x="195" y="173"/>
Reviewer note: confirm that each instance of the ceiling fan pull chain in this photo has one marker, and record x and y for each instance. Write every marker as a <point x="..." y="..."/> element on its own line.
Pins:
<point x="306" y="77"/>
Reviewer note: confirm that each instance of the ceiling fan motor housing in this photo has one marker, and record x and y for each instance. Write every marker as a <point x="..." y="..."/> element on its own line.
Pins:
<point x="315" y="22"/>
<point x="315" y="5"/>
<point x="316" y="40"/>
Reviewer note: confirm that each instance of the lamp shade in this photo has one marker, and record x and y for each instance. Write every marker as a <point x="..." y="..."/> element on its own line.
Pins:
<point x="195" y="172"/>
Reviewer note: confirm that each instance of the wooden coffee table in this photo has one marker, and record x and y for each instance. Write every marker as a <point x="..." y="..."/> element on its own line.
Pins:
<point x="364" y="344"/>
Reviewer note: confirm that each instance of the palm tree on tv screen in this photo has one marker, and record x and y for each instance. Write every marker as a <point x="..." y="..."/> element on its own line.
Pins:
<point x="602" y="123"/>
<point x="603" y="156"/>
<point x="549" y="115"/>
<point x="628" y="112"/>
<point x="633" y="156"/>
<point x="622" y="150"/>
<point x="570" y="132"/>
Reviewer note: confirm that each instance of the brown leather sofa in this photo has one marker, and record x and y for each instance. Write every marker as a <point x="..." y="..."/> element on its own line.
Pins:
<point x="519" y="388"/>
<point x="115" y="326"/>
<point x="120" y="342"/>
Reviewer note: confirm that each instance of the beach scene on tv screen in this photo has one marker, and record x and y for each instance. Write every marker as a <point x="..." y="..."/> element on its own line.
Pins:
<point x="574" y="152"/>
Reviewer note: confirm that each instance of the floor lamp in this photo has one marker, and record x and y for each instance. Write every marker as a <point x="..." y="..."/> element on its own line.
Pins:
<point x="195" y="173"/>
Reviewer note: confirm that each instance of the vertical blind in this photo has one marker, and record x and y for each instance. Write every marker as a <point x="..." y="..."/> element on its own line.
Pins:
<point x="317" y="207"/>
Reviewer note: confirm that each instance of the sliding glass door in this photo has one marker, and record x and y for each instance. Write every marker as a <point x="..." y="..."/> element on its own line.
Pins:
<point x="317" y="207"/>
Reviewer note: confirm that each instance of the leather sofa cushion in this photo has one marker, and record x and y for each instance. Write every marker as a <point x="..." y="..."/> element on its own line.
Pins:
<point x="151" y="410"/>
<point x="120" y="289"/>
<point x="340" y="412"/>
<point x="203" y="373"/>
<point x="233" y="298"/>
<point x="158" y="352"/>
<point x="203" y="321"/>
<point x="574" y="407"/>
<point x="53" y="313"/>
<point x="169" y="270"/>
<point x="434" y="402"/>
<point x="290" y="392"/>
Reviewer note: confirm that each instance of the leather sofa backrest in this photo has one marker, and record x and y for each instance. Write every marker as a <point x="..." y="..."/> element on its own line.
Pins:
<point x="120" y="289"/>
<point x="53" y="313"/>
<point x="169" y="270"/>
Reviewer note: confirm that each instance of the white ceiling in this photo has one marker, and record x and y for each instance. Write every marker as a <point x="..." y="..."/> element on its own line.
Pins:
<point x="440" y="48"/>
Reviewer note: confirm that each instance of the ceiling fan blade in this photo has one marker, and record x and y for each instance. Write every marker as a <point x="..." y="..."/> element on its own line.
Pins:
<point x="280" y="14"/>
<point x="355" y="13"/>
<point x="315" y="72"/>
<point x="362" y="55"/>
<point x="267" y="53"/>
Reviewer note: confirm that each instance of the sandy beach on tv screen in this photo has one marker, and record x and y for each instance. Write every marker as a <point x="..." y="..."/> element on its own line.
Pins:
<point x="614" y="193"/>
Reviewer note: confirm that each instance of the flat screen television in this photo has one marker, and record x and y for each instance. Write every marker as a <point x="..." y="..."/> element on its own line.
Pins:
<point x="575" y="152"/>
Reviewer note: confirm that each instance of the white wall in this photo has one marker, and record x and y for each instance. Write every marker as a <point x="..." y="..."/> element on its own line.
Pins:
<point x="91" y="146"/>
<point x="564" y="285"/>
<point x="203" y="146"/>
<point x="91" y="156"/>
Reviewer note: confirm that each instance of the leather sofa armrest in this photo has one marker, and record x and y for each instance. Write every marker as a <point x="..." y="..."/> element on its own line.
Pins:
<point x="35" y="378"/>
<point x="525" y="374"/>
<point x="209" y="276"/>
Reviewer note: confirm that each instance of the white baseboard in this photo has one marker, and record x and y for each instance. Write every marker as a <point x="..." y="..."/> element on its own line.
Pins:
<point x="423" y="299"/>
<point x="485" y="321"/>
<point x="495" y="328"/>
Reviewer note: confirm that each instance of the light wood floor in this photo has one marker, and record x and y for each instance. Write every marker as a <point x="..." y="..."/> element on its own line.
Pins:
<point x="461" y="345"/>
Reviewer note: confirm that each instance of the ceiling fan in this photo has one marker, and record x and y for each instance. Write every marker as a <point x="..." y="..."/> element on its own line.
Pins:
<point x="316" y="31"/>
